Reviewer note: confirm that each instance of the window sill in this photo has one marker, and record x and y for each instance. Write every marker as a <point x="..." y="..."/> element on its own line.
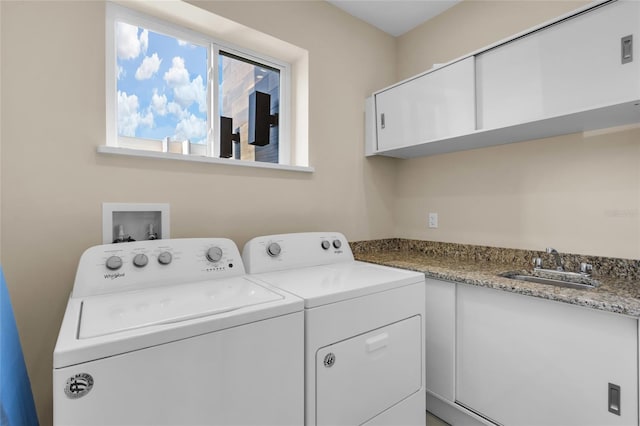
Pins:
<point x="102" y="149"/>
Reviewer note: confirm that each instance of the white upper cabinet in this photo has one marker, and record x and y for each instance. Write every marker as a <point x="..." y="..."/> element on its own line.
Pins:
<point x="569" y="67"/>
<point x="435" y="105"/>
<point x="579" y="72"/>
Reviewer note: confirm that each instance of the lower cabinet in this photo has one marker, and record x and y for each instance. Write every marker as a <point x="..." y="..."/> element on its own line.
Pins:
<point x="440" y="338"/>
<point x="520" y="360"/>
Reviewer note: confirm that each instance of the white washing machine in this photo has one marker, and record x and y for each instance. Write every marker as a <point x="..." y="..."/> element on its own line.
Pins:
<point x="364" y="328"/>
<point x="172" y="332"/>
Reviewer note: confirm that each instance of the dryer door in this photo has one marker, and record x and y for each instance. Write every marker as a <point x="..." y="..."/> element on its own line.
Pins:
<point x="359" y="378"/>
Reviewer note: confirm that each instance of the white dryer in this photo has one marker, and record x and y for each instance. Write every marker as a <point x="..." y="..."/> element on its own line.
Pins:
<point x="172" y="332"/>
<point x="364" y="328"/>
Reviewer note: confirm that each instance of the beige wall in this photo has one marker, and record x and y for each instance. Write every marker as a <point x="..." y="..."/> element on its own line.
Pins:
<point x="469" y="26"/>
<point x="53" y="181"/>
<point x="579" y="193"/>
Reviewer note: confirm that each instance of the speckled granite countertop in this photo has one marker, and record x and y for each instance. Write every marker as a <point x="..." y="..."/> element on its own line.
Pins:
<point x="618" y="292"/>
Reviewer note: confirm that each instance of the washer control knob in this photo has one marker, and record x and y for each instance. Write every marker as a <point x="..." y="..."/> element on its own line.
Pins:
<point x="214" y="254"/>
<point x="114" y="263"/>
<point x="325" y="244"/>
<point x="273" y="249"/>
<point x="337" y="244"/>
<point x="164" y="258"/>
<point x="140" y="260"/>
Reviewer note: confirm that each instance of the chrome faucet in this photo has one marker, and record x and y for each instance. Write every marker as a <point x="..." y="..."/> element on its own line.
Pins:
<point x="556" y="256"/>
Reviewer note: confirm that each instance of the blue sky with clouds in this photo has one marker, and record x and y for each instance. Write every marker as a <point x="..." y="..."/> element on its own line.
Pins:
<point x="162" y="86"/>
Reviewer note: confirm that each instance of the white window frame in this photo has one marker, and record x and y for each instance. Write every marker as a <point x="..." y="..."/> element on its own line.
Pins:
<point x="114" y="145"/>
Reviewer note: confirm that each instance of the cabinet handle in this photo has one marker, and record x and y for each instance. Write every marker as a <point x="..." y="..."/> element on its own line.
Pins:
<point x="626" y="43"/>
<point x="377" y="342"/>
<point x="382" y="120"/>
<point x="614" y="399"/>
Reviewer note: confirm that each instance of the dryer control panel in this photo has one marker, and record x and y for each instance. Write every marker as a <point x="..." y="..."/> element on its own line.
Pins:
<point x="288" y="251"/>
<point x="112" y="268"/>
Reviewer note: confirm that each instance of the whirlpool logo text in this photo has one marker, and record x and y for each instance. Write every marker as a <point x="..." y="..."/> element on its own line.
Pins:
<point x="113" y="276"/>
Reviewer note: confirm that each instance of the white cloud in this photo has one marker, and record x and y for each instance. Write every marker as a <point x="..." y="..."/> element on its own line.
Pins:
<point x="127" y="114"/>
<point x="159" y="103"/>
<point x="121" y="72"/>
<point x="193" y="92"/>
<point x="177" y="75"/>
<point x="183" y="43"/>
<point x="127" y="42"/>
<point x="146" y="120"/>
<point x="149" y="66"/>
<point x="177" y="110"/>
<point x="191" y="128"/>
<point x="185" y="91"/>
<point x="129" y="117"/>
<point x="144" y="41"/>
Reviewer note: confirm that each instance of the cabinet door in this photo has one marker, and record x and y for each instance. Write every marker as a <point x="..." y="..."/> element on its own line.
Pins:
<point x="528" y="361"/>
<point x="571" y="66"/>
<point x="440" y="329"/>
<point x="433" y="106"/>
<point x="359" y="378"/>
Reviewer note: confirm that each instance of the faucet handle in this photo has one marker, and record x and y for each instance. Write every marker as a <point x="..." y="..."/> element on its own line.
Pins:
<point x="537" y="262"/>
<point x="586" y="268"/>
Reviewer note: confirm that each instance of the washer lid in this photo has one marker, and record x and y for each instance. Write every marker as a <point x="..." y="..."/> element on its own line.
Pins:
<point x="319" y="285"/>
<point x="113" y="313"/>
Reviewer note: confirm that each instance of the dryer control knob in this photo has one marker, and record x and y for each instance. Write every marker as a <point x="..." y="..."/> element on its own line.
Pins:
<point x="325" y="244"/>
<point x="273" y="249"/>
<point x="140" y="260"/>
<point x="164" y="258"/>
<point x="113" y="263"/>
<point x="214" y="254"/>
<point x="337" y="244"/>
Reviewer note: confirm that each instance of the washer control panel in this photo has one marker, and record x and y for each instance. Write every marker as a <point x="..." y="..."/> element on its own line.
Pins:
<point x="135" y="265"/>
<point x="288" y="251"/>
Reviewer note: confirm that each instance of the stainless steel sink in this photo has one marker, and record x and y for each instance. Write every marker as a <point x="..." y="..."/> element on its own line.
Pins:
<point x="583" y="283"/>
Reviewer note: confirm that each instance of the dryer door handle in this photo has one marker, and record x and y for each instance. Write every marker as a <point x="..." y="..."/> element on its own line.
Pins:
<point x="377" y="342"/>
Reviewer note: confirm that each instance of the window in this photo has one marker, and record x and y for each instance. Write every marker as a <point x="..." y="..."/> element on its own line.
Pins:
<point x="239" y="80"/>
<point x="175" y="91"/>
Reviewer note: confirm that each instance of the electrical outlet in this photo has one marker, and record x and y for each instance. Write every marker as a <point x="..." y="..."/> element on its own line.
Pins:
<point x="433" y="220"/>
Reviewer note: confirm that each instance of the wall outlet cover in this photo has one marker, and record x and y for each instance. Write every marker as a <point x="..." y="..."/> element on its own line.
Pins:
<point x="433" y="220"/>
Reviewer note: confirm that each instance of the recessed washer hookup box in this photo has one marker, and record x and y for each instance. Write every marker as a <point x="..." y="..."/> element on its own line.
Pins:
<point x="122" y="222"/>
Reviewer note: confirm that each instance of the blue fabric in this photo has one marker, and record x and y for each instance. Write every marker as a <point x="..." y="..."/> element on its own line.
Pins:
<point x="16" y="400"/>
